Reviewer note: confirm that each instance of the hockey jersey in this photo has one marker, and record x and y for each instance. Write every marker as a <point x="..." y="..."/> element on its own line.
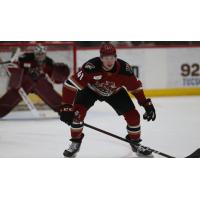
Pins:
<point x="58" y="72"/>
<point x="105" y="83"/>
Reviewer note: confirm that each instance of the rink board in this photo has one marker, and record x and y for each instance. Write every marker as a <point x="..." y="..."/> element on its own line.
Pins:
<point x="172" y="71"/>
<point x="158" y="68"/>
<point x="150" y="93"/>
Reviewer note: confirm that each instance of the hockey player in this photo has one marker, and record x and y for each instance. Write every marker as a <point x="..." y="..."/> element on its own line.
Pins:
<point x="105" y="78"/>
<point x="31" y="73"/>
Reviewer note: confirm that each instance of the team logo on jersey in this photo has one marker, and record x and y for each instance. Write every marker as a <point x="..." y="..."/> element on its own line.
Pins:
<point x="130" y="69"/>
<point x="106" y="88"/>
<point x="27" y="65"/>
<point x="89" y="66"/>
<point x="97" y="77"/>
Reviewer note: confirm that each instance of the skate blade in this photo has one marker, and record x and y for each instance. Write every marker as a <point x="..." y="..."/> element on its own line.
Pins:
<point x="73" y="156"/>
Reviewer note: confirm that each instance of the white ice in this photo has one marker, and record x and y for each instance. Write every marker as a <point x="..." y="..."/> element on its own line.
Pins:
<point x="175" y="132"/>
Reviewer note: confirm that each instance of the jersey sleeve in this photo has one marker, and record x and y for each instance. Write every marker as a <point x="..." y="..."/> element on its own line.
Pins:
<point x="133" y="85"/>
<point x="84" y="76"/>
<point x="77" y="82"/>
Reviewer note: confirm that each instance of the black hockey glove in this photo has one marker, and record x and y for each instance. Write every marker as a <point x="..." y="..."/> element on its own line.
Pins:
<point x="66" y="114"/>
<point x="150" y="113"/>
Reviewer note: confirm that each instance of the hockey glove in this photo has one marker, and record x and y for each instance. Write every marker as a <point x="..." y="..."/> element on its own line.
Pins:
<point x="150" y="113"/>
<point x="66" y="113"/>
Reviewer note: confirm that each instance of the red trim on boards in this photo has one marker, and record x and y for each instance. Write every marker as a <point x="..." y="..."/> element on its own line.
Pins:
<point x="141" y="47"/>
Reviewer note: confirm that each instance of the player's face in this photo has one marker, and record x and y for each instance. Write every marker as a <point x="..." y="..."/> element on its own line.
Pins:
<point x="40" y="57"/>
<point x="108" y="62"/>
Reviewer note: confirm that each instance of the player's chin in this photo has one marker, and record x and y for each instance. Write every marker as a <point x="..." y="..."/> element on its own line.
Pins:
<point x="108" y="67"/>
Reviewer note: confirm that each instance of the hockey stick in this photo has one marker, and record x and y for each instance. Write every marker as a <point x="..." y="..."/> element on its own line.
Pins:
<point x="21" y="91"/>
<point x="28" y="102"/>
<point x="195" y="154"/>
<point x="14" y="57"/>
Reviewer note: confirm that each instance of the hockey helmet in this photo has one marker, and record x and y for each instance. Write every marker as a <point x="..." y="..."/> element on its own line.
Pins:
<point x="108" y="50"/>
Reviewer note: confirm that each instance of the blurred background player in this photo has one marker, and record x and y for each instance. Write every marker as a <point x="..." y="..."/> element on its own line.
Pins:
<point x="33" y="73"/>
<point x="105" y="78"/>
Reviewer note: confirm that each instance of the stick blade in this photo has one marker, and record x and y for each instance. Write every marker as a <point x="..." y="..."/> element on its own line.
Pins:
<point x="15" y="54"/>
<point x="195" y="154"/>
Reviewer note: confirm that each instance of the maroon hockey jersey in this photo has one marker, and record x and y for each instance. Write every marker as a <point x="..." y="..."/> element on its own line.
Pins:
<point x="105" y="83"/>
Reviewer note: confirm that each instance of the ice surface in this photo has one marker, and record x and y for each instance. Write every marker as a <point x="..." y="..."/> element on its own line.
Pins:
<point x="176" y="132"/>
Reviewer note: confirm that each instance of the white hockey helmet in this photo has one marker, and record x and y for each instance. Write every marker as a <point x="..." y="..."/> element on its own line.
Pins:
<point x="39" y="49"/>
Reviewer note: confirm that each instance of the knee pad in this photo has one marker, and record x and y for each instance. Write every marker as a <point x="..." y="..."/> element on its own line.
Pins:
<point x="77" y="124"/>
<point x="79" y="113"/>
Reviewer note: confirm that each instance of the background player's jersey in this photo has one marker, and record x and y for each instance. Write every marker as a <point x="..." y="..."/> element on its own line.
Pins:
<point x="58" y="72"/>
<point x="27" y="61"/>
<point x="105" y="83"/>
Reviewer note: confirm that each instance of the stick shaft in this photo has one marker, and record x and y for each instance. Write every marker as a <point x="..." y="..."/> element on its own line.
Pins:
<point x="125" y="140"/>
